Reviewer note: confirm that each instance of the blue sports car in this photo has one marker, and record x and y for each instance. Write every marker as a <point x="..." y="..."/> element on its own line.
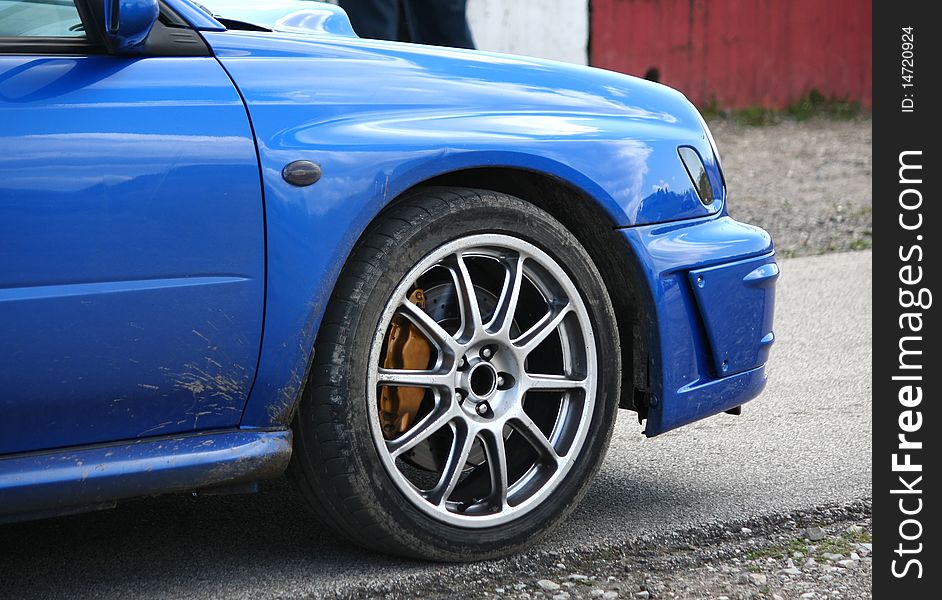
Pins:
<point x="236" y="241"/>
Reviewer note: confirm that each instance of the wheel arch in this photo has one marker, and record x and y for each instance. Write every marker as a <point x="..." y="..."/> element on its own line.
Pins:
<point x="422" y="228"/>
<point x="595" y="229"/>
<point x="588" y="217"/>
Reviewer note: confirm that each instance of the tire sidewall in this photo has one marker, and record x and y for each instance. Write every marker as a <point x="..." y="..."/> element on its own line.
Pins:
<point x="474" y="213"/>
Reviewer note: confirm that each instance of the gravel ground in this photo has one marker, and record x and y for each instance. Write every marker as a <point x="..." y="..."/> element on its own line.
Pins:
<point x="821" y="554"/>
<point x="807" y="183"/>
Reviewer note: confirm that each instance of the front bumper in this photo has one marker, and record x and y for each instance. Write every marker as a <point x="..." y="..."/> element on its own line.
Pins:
<point x="711" y="300"/>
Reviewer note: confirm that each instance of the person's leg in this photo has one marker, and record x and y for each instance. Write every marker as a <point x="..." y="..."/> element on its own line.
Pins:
<point x="374" y="19"/>
<point x="440" y="22"/>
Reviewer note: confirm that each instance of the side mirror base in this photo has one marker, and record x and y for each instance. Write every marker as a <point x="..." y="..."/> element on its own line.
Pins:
<point x="127" y="23"/>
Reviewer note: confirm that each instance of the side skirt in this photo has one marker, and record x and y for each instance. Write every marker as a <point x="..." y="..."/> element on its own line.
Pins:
<point x="70" y="480"/>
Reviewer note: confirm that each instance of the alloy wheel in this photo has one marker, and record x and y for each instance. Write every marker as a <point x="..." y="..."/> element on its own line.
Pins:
<point x="503" y="387"/>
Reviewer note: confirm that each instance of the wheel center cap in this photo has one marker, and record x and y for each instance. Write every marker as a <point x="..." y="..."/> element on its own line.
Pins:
<point x="482" y="380"/>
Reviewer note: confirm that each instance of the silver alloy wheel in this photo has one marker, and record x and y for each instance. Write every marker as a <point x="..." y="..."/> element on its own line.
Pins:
<point x="482" y="391"/>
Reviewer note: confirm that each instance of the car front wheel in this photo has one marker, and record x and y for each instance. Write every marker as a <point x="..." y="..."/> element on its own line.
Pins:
<point x="465" y="380"/>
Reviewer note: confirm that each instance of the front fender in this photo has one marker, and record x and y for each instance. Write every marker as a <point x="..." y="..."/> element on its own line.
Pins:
<point x="380" y="118"/>
<point x="312" y="231"/>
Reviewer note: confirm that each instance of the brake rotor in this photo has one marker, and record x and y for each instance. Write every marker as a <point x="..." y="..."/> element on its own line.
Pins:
<point x="407" y="348"/>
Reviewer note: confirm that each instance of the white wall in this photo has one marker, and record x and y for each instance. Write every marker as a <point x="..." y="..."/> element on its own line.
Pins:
<point x="556" y="29"/>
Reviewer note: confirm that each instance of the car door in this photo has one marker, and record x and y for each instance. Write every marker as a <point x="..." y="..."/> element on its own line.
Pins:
<point x="131" y="236"/>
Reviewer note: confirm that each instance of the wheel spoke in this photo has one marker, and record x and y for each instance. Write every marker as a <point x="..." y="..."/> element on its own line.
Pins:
<point x="467" y="299"/>
<point x="535" y="336"/>
<point x="496" y="453"/>
<point x="493" y="299"/>
<point x="457" y="457"/>
<point x="419" y="432"/>
<point x="552" y="383"/>
<point x="410" y="378"/>
<point x="509" y="296"/>
<point x="525" y="426"/>
<point x="434" y="332"/>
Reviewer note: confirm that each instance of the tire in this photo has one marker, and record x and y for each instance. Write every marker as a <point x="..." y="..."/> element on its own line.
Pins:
<point x="482" y="484"/>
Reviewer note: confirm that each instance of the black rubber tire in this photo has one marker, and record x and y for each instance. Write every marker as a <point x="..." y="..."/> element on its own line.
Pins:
<point x="335" y="462"/>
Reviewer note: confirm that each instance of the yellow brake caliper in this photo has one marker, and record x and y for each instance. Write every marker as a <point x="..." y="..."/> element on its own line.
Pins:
<point x="406" y="348"/>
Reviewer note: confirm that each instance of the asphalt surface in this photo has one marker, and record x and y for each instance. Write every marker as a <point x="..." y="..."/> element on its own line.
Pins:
<point x="805" y="442"/>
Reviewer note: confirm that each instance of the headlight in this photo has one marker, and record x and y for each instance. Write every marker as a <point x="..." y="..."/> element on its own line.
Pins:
<point x="698" y="174"/>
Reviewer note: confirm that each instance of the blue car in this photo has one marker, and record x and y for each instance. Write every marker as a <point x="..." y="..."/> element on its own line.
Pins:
<point x="236" y="241"/>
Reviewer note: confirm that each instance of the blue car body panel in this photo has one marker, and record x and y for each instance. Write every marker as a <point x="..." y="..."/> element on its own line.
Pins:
<point x="685" y="382"/>
<point x="132" y="267"/>
<point x="151" y="254"/>
<point x="741" y="339"/>
<point x="61" y="482"/>
<point x="615" y="142"/>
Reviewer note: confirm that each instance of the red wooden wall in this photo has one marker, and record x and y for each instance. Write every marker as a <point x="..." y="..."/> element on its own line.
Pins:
<point x="740" y="53"/>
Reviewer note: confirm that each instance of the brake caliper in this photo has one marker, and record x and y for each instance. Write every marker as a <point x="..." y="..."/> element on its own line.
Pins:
<point x="406" y="348"/>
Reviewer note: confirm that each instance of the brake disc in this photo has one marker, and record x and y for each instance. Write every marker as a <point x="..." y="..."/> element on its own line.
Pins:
<point x="407" y="348"/>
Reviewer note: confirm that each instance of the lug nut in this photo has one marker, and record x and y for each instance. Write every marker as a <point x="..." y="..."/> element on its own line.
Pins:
<point x="462" y="362"/>
<point x="459" y="397"/>
<point x="505" y="381"/>
<point x="482" y="408"/>
<point x="487" y="353"/>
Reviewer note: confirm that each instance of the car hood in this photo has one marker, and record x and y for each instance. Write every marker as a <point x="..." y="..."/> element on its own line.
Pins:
<point x="315" y="29"/>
